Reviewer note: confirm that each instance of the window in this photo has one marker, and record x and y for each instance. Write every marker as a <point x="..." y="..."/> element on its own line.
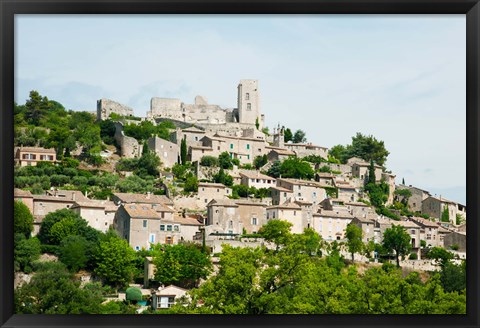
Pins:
<point x="151" y="239"/>
<point x="176" y="227"/>
<point x="230" y="224"/>
<point x="247" y="96"/>
<point x="248" y="146"/>
<point x="162" y="227"/>
<point x="249" y="106"/>
<point x="166" y="302"/>
<point x="412" y="232"/>
<point x="294" y="213"/>
<point x="145" y="223"/>
<point x="248" y="156"/>
<point x="169" y="227"/>
<point x="137" y="248"/>
<point x="254" y="221"/>
<point x="196" y="138"/>
<point x="273" y="215"/>
<point x="231" y="146"/>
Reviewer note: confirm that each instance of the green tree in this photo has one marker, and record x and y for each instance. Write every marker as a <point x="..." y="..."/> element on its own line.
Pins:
<point x="75" y="252"/>
<point x="274" y="170"/>
<point x="50" y="220"/>
<point x="445" y="214"/>
<point x="287" y="135"/>
<point x="371" y="173"/>
<point x="299" y="137"/>
<point x="107" y="131"/>
<point x="181" y="264"/>
<point x="209" y="161"/>
<point x="398" y="240"/>
<point x="36" y="108"/>
<point x="26" y="251"/>
<point x="440" y="255"/>
<point x="22" y="219"/>
<point x="53" y="290"/>
<point x="191" y="184"/>
<point x="133" y="294"/>
<point x="366" y="147"/>
<point x="276" y="231"/>
<point x="260" y="161"/>
<point x="339" y="152"/>
<point x="354" y="239"/>
<point x="224" y="161"/>
<point x="257" y="123"/>
<point x="114" y="261"/>
<point x="148" y="165"/>
<point x="183" y="151"/>
<point x="294" y="167"/>
<point x="453" y="277"/>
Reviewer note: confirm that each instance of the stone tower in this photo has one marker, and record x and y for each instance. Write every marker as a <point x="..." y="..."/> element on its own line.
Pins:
<point x="278" y="137"/>
<point x="249" y="102"/>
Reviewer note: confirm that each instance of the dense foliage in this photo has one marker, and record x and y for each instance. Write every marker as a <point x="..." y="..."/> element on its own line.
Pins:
<point x="366" y="147"/>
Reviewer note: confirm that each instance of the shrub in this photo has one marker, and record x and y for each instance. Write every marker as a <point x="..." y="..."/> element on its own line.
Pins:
<point x="413" y="256"/>
<point x="209" y="161"/>
<point x="133" y="294"/>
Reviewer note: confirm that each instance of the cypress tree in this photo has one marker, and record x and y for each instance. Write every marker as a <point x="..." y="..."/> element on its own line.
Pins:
<point x="183" y="151"/>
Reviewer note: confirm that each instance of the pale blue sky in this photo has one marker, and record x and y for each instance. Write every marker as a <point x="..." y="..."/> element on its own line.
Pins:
<point x="398" y="77"/>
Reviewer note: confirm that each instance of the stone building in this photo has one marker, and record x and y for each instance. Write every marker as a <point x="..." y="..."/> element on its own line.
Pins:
<point x="307" y="149"/>
<point x="303" y="190"/>
<point x="429" y="231"/>
<point x="30" y="156"/>
<point x="167" y="151"/>
<point x="252" y="215"/>
<point x="278" y="154"/>
<point x="331" y="225"/>
<point x="367" y="224"/>
<point x="204" y="114"/>
<point x="24" y="196"/>
<point x="248" y="102"/>
<point x="145" y="224"/>
<point x="280" y="195"/>
<point x="289" y="211"/>
<point x="414" y="201"/>
<point x="389" y="179"/>
<point x="148" y="198"/>
<point x="360" y="170"/>
<point x="52" y="201"/>
<point x="98" y="213"/>
<point x="222" y="218"/>
<point x="410" y="227"/>
<point x="434" y="207"/>
<point x="209" y="191"/>
<point x="105" y="107"/>
<point x="256" y="179"/>
<point x="192" y="136"/>
<point x="346" y="191"/>
<point x="326" y="179"/>
<point x="456" y="239"/>
<point x="129" y="147"/>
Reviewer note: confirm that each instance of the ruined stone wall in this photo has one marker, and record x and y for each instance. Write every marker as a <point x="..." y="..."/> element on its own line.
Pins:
<point x="129" y="147"/>
<point x="231" y="129"/>
<point x="175" y="109"/>
<point x="106" y="106"/>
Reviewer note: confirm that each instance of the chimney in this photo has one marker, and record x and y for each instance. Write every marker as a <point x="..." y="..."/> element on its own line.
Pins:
<point x="148" y="194"/>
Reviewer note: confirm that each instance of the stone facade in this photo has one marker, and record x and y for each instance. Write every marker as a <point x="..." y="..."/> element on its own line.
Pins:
<point x="167" y="151"/>
<point x="290" y="212"/>
<point x="98" y="213"/>
<point x="30" y="156"/>
<point x="307" y="149"/>
<point x="210" y="191"/>
<point x="360" y="170"/>
<point x="414" y="201"/>
<point x="129" y="147"/>
<point x="303" y="190"/>
<point x="456" y="239"/>
<point x="222" y="217"/>
<point x="252" y="215"/>
<point x="256" y="179"/>
<point x="105" y="107"/>
<point x="331" y="225"/>
<point x="24" y="196"/>
<point x="434" y="206"/>
<point x="248" y="102"/>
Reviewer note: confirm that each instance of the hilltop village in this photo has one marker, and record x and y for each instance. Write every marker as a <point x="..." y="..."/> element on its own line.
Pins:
<point x="216" y="177"/>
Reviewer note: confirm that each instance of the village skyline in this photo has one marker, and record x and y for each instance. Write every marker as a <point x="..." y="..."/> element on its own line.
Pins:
<point x="317" y="76"/>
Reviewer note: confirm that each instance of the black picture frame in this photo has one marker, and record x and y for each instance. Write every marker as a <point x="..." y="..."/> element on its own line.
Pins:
<point x="9" y="8"/>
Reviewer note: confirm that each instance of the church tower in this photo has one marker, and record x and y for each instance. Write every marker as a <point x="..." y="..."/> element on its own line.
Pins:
<point x="249" y="103"/>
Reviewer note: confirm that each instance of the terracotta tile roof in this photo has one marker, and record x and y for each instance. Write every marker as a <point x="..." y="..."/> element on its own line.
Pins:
<point x="193" y="129"/>
<point x="254" y="175"/>
<point x="281" y="189"/>
<point x="324" y="175"/>
<point x="356" y="204"/>
<point x="139" y="211"/>
<point x="187" y="221"/>
<point x="211" y="185"/>
<point x="286" y="205"/>
<point x="22" y="193"/>
<point x="443" y="200"/>
<point x="334" y="214"/>
<point x="425" y="222"/>
<point x="249" y="202"/>
<point x="37" y="150"/>
<point x="299" y="182"/>
<point x="222" y="202"/>
<point x="283" y="151"/>
<point x="93" y="203"/>
<point x="70" y="194"/>
<point x="143" y="198"/>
